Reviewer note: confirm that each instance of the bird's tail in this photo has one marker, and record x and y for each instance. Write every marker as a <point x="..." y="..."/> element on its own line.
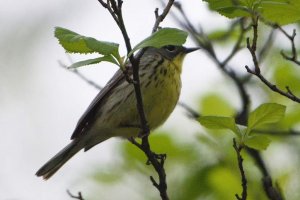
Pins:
<point x="55" y="163"/>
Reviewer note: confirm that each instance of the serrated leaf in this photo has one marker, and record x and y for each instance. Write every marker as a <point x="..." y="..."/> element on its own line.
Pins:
<point x="264" y="114"/>
<point x="259" y="142"/>
<point x="217" y="122"/>
<point x="163" y="37"/>
<point x="76" y="43"/>
<point x="108" y="58"/>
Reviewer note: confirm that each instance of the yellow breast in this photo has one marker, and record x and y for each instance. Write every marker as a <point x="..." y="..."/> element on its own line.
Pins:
<point x="161" y="90"/>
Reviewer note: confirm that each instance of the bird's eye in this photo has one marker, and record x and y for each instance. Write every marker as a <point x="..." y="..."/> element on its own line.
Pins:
<point x="170" y="48"/>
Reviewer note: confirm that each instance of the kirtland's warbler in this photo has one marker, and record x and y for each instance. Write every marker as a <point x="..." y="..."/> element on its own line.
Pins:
<point x="113" y="112"/>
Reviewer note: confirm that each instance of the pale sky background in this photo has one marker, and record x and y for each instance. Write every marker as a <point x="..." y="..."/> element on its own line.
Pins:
<point x="40" y="102"/>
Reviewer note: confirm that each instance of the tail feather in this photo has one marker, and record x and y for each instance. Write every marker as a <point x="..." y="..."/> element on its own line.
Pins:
<point x="55" y="163"/>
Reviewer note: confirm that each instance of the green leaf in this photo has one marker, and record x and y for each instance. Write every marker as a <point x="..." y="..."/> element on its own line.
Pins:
<point x="76" y="43"/>
<point x="217" y="122"/>
<point x="265" y="114"/>
<point x="228" y="9"/>
<point x="108" y="58"/>
<point x="163" y="37"/>
<point x="278" y="11"/>
<point x="259" y="142"/>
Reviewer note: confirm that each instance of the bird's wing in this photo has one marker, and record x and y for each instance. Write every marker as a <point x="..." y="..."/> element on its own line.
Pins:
<point x="88" y="116"/>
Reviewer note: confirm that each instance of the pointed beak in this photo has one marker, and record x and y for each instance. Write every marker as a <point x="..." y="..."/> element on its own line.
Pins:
<point x="189" y="50"/>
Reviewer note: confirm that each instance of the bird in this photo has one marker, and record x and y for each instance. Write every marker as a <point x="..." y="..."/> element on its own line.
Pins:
<point x="113" y="112"/>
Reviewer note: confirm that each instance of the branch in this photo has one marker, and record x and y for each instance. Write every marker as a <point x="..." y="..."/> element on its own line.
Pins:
<point x="238" y="149"/>
<point x="115" y="9"/>
<point x="252" y="49"/>
<point x="237" y="45"/>
<point x="292" y="58"/>
<point x="79" y="196"/>
<point x="191" y="113"/>
<point x="267" y="183"/>
<point x="103" y="3"/>
<point x="160" y="18"/>
<point x="289" y="94"/>
<point x="202" y="40"/>
<point x="273" y="193"/>
<point x="157" y="161"/>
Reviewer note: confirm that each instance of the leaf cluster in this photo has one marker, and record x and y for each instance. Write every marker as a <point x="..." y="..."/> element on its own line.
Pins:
<point x="109" y="52"/>
<point x="264" y="114"/>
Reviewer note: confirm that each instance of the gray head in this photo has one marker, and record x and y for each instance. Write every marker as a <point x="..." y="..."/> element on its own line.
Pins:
<point x="171" y="51"/>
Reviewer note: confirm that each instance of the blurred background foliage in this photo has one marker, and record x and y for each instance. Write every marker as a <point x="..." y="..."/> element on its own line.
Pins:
<point x="206" y="167"/>
<point x="203" y="167"/>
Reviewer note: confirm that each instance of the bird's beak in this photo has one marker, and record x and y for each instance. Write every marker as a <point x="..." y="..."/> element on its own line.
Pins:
<point x="189" y="50"/>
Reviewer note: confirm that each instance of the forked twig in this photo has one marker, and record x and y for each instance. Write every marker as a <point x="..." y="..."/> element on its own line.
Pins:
<point x="257" y="72"/>
<point x="238" y="149"/>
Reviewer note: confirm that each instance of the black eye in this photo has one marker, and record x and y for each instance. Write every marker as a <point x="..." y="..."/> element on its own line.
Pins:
<point x="170" y="48"/>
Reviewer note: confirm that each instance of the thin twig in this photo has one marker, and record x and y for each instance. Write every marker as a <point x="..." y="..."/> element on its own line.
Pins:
<point x="190" y="111"/>
<point x="135" y="66"/>
<point x="193" y="114"/>
<point x="257" y="72"/>
<point x="157" y="161"/>
<point x="237" y="45"/>
<point x="294" y="56"/>
<point x="202" y="40"/>
<point x="271" y="192"/>
<point x="160" y="18"/>
<point x="115" y="10"/>
<point x="81" y="76"/>
<point x="79" y="196"/>
<point x="238" y="149"/>
<point x="273" y="87"/>
<point x="103" y="3"/>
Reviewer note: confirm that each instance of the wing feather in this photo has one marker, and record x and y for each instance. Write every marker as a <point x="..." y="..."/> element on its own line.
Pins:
<point x="89" y="116"/>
